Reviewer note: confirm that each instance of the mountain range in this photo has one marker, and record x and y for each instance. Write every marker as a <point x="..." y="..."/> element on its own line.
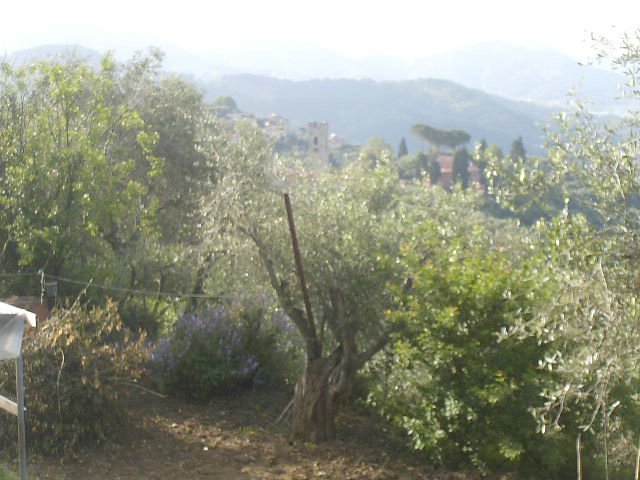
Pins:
<point x="360" y="109"/>
<point x="494" y="91"/>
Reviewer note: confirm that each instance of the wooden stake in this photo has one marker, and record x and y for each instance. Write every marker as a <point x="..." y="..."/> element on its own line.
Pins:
<point x="300" y="271"/>
<point x="579" y="456"/>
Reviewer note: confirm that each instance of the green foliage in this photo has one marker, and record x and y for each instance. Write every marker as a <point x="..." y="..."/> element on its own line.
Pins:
<point x="75" y="365"/>
<point x="122" y="175"/>
<point x="6" y="474"/>
<point x="148" y="315"/>
<point x="435" y="172"/>
<point x="413" y="166"/>
<point x="69" y="147"/>
<point x="102" y="173"/>
<point x="480" y="159"/>
<point x="407" y="166"/>
<point x="419" y="165"/>
<point x="375" y="151"/>
<point x="457" y="378"/>
<point x="590" y="267"/>
<point x="272" y="339"/>
<point x="591" y="317"/>
<point x="523" y="188"/>
<point x="349" y="223"/>
<point x="518" y="152"/>
<point x="422" y="164"/>
<point x="224" y="106"/>
<point x="461" y="161"/>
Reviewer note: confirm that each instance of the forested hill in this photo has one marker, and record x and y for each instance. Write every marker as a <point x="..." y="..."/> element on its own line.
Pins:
<point x="360" y="109"/>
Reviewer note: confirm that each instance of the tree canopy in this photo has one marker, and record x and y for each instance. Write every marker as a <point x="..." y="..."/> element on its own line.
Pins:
<point x="102" y="169"/>
<point x="438" y="137"/>
<point x="592" y="314"/>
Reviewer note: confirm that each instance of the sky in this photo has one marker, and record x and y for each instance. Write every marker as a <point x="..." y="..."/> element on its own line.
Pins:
<point x="406" y="29"/>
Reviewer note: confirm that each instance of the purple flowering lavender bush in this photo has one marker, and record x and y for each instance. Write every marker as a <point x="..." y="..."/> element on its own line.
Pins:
<point x="210" y="352"/>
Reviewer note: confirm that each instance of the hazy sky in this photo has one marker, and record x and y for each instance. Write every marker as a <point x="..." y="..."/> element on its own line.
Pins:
<point x="401" y="28"/>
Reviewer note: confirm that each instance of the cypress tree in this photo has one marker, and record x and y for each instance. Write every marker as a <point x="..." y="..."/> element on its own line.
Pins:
<point x="517" y="150"/>
<point x="461" y="167"/>
<point x="402" y="149"/>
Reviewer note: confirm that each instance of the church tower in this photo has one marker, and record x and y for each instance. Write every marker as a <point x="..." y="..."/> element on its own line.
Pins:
<point x="319" y="144"/>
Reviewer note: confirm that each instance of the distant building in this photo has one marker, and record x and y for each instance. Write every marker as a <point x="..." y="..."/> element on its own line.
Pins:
<point x="336" y="142"/>
<point x="319" y="144"/>
<point x="275" y="126"/>
<point x="446" y="170"/>
<point x="445" y="160"/>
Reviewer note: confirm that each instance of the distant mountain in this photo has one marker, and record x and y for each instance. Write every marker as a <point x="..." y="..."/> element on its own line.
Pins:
<point x="298" y="63"/>
<point x="360" y="109"/>
<point x="400" y="94"/>
<point x="54" y="52"/>
<point x="541" y="76"/>
<point x="517" y="73"/>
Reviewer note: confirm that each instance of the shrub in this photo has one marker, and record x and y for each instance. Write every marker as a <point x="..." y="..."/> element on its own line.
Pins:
<point x="208" y="352"/>
<point x="275" y="343"/>
<point x="459" y="385"/>
<point x="73" y="365"/>
<point x="145" y="315"/>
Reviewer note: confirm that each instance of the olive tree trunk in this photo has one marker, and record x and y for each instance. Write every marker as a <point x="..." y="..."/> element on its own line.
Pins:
<point x="325" y="385"/>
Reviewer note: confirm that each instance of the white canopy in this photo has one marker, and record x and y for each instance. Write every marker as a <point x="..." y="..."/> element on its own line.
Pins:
<point x="12" y="320"/>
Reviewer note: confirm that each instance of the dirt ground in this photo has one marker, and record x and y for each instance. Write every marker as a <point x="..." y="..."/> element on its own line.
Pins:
<point x="237" y="438"/>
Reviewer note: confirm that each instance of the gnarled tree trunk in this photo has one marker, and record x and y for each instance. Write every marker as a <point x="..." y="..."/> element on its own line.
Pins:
<point x="313" y="409"/>
<point x="327" y="382"/>
<point x="325" y="385"/>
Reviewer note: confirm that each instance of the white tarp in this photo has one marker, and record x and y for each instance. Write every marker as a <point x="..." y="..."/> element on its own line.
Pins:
<point x="12" y="320"/>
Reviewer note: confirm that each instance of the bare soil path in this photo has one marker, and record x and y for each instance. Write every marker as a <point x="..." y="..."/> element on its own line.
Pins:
<point x="237" y="438"/>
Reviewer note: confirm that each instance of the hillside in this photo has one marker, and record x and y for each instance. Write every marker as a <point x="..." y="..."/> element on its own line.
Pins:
<point x="528" y="74"/>
<point x="360" y="109"/>
<point x="542" y="76"/>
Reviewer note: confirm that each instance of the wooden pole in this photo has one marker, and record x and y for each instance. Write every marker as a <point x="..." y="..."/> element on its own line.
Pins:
<point x="22" y="444"/>
<point x="298" y="260"/>
<point x="579" y="456"/>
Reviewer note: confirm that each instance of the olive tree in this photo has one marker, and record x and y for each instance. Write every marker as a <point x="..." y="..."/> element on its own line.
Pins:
<point x="349" y="225"/>
<point x="590" y="260"/>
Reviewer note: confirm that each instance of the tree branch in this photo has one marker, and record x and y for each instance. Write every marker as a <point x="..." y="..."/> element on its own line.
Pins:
<point x="378" y="345"/>
<point x="346" y="335"/>
<point x="313" y="348"/>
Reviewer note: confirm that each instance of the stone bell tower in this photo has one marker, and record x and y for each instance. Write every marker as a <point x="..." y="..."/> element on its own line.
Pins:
<point x="319" y="144"/>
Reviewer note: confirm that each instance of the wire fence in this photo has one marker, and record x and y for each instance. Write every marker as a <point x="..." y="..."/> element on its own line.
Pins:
<point x="46" y="278"/>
